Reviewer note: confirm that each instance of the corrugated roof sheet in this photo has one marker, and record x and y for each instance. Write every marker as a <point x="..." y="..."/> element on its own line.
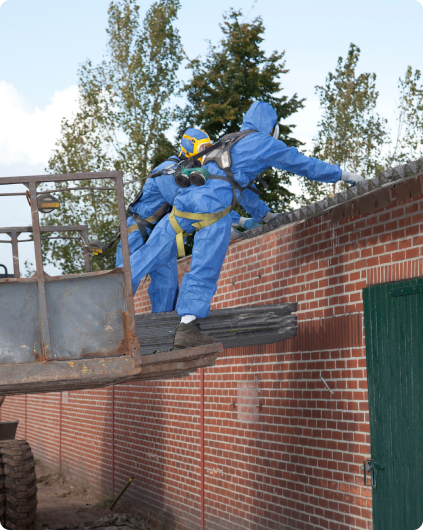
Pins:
<point x="384" y="180"/>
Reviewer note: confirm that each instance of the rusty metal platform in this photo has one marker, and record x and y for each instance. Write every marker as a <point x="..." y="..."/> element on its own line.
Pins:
<point x="58" y="376"/>
<point x="67" y="331"/>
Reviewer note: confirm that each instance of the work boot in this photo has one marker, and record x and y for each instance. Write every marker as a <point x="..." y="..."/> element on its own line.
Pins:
<point x="190" y="336"/>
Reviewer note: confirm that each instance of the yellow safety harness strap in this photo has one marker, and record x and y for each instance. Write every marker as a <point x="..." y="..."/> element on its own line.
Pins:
<point x="151" y="219"/>
<point x="180" y="234"/>
<point x="205" y="219"/>
<point x="132" y="228"/>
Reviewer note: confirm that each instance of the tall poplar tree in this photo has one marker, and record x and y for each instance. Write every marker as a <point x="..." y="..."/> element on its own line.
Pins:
<point x="124" y="113"/>
<point x="235" y="73"/>
<point x="351" y="133"/>
<point x="409" y="139"/>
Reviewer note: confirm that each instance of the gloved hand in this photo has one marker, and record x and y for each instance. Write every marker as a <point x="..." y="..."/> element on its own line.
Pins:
<point x="269" y="216"/>
<point x="351" y="178"/>
<point x="247" y="223"/>
<point x="235" y="234"/>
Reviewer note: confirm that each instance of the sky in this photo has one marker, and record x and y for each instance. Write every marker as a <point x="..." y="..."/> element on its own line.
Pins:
<point x="42" y="43"/>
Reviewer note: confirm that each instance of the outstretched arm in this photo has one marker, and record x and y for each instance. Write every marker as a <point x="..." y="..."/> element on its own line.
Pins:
<point x="275" y="153"/>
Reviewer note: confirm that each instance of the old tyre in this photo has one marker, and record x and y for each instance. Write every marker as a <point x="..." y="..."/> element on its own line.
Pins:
<point x="19" y="490"/>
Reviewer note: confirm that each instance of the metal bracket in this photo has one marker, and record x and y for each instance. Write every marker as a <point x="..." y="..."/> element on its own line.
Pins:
<point x="371" y="467"/>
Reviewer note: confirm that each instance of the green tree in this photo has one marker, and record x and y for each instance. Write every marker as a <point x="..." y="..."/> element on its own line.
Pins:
<point x="351" y="133"/>
<point x="124" y="112"/>
<point x="234" y="74"/>
<point x="409" y="141"/>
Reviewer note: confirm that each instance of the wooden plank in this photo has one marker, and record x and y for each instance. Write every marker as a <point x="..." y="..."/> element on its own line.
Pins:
<point x="233" y="327"/>
<point x="55" y="371"/>
<point x="165" y="368"/>
<point x="182" y="370"/>
<point x="97" y="373"/>
<point x="181" y="355"/>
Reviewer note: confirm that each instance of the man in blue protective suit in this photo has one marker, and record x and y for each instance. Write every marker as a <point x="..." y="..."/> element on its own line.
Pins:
<point x="206" y="208"/>
<point x="153" y="202"/>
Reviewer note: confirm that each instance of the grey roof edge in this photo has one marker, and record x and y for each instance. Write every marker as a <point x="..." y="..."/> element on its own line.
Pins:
<point x="386" y="178"/>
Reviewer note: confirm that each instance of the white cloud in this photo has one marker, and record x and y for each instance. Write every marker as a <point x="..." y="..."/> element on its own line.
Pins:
<point x="420" y="2"/>
<point x="28" y="135"/>
<point x="2" y="2"/>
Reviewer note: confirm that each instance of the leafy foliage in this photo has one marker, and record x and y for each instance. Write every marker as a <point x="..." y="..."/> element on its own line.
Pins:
<point x="234" y="74"/>
<point x="124" y="112"/>
<point x="351" y="133"/>
<point x="409" y="141"/>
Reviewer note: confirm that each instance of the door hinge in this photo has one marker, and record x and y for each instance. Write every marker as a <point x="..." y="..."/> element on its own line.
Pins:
<point x="370" y="466"/>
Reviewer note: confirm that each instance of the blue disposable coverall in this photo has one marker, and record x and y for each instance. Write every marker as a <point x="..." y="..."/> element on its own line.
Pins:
<point x="163" y="289"/>
<point x="250" y="156"/>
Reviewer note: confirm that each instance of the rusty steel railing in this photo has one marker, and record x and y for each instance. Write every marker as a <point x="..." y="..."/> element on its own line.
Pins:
<point x="15" y="232"/>
<point x="32" y="183"/>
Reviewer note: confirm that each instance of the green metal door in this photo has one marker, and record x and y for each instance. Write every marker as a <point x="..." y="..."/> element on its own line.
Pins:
<point x="393" y="316"/>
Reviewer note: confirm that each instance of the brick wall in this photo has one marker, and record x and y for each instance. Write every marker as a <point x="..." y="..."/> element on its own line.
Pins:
<point x="281" y="451"/>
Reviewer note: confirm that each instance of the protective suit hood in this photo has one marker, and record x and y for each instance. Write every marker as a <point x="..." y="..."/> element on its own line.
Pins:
<point x="261" y="117"/>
